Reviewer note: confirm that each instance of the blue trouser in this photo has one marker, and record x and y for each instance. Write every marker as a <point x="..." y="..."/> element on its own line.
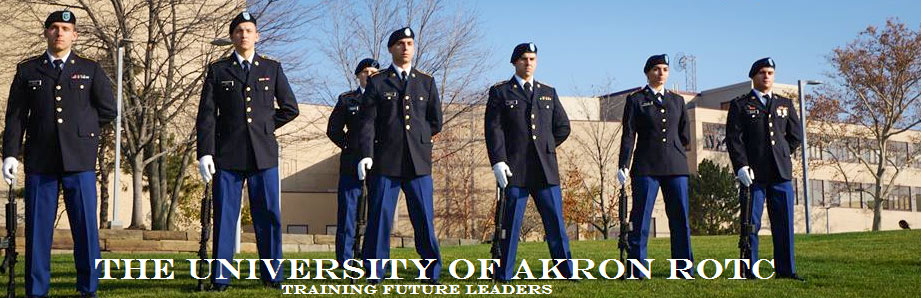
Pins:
<point x="41" y="196"/>
<point x="549" y="202"/>
<point x="675" y="192"/>
<point x="349" y="191"/>
<point x="262" y="187"/>
<point x="780" y="212"/>
<point x="381" y="207"/>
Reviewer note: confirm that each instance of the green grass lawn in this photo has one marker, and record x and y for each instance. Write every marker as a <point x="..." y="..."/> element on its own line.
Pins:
<point x="841" y="265"/>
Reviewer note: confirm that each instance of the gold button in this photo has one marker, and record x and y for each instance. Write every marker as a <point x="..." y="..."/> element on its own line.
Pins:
<point x="58" y="98"/>
<point x="81" y="86"/>
<point x="407" y="107"/>
<point x="663" y="120"/>
<point x="60" y="120"/>
<point x="548" y="106"/>
<point x="249" y="98"/>
<point x="249" y="120"/>
<point x="663" y="140"/>
<point x="249" y="109"/>
<point x="59" y="109"/>
<point x="407" y="126"/>
<point x="420" y="98"/>
<point x="58" y="87"/>
<point x="406" y="97"/>
<point x="248" y="89"/>
<point x="772" y="142"/>
<point x="532" y="116"/>
<point x="533" y="126"/>
<point x="92" y="134"/>
<point x="663" y="130"/>
<point x="662" y="111"/>
<point x="407" y="117"/>
<point x="772" y="133"/>
<point x="534" y="137"/>
<point x="770" y="124"/>
<point x="266" y="88"/>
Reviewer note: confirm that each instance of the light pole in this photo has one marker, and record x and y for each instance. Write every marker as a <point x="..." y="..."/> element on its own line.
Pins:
<point x="802" y="111"/>
<point x="116" y="222"/>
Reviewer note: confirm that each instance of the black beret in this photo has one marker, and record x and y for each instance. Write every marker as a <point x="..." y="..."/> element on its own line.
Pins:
<point x="365" y="63"/>
<point x="522" y="48"/>
<point x="655" y="60"/>
<point x="243" y="17"/>
<point x="63" y="16"/>
<point x="400" y="34"/>
<point x="758" y="65"/>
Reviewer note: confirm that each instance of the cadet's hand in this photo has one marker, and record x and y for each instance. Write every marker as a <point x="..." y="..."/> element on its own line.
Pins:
<point x="746" y="176"/>
<point x="9" y="169"/>
<point x="363" y="166"/>
<point x="502" y="172"/>
<point x="622" y="176"/>
<point x="206" y="167"/>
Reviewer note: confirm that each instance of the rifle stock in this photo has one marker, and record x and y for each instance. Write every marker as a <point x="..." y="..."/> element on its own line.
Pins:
<point x="205" y="233"/>
<point x="499" y="232"/>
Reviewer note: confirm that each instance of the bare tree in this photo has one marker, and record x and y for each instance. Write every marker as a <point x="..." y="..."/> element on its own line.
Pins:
<point x="163" y="75"/>
<point x="877" y="98"/>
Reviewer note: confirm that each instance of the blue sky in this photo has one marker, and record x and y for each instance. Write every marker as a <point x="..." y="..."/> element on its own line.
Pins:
<point x="586" y="43"/>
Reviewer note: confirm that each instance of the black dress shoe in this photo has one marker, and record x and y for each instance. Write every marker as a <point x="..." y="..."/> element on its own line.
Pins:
<point x="217" y="288"/>
<point x="87" y="295"/>
<point x="30" y="296"/>
<point x="794" y="277"/>
<point x="431" y="282"/>
<point x="271" y="284"/>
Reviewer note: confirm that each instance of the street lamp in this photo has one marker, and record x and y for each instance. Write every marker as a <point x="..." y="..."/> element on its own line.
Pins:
<point x="221" y="42"/>
<point x="116" y="222"/>
<point x="802" y="112"/>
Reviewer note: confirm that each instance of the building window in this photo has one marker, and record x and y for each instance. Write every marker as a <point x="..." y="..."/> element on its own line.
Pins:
<point x="897" y="152"/>
<point x="817" y="192"/>
<point x="297" y="229"/>
<point x="916" y="193"/>
<point x="714" y="136"/>
<point x="899" y="199"/>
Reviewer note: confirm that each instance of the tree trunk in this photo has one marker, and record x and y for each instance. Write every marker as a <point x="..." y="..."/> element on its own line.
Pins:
<point x="157" y="218"/>
<point x="137" y="185"/>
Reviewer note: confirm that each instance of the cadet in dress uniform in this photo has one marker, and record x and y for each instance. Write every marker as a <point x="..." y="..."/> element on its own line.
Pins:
<point x="58" y="101"/>
<point x="524" y="124"/>
<point x="345" y="116"/>
<point x="656" y="121"/>
<point x="401" y="112"/>
<point x="236" y="124"/>
<point x="762" y="130"/>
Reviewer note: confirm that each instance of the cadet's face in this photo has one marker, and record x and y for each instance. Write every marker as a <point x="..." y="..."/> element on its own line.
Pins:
<point x="403" y="50"/>
<point x="60" y="36"/>
<point x="526" y="65"/>
<point x="364" y="74"/>
<point x="764" y="79"/>
<point x="244" y="37"/>
<point x="658" y="75"/>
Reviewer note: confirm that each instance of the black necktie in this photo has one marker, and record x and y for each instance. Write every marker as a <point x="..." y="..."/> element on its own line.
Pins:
<point x="57" y="64"/>
<point x="246" y="67"/>
<point x="659" y="97"/>
<point x="527" y="89"/>
<point x="767" y="100"/>
<point x="403" y="77"/>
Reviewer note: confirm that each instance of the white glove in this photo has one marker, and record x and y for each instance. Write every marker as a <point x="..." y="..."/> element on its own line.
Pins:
<point x="9" y="169"/>
<point x="746" y="176"/>
<point x="622" y="176"/>
<point x="502" y="172"/>
<point x="206" y="168"/>
<point x="364" y="165"/>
